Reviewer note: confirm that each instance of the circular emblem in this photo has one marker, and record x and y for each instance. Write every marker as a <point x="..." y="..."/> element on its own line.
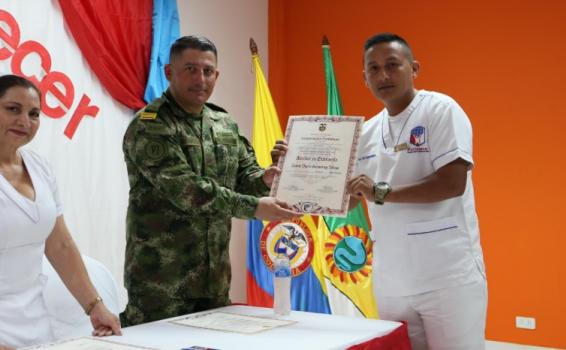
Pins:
<point x="307" y="207"/>
<point x="295" y="237"/>
<point x="154" y="150"/>
<point x="349" y="252"/>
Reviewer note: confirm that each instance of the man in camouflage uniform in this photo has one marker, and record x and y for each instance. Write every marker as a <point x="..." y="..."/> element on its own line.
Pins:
<point x="190" y="172"/>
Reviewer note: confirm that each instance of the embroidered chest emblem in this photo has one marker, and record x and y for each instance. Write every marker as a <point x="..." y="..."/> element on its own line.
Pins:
<point x="417" y="139"/>
<point x="417" y="136"/>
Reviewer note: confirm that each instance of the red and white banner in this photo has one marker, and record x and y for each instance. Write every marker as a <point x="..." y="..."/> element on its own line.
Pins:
<point x="81" y="127"/>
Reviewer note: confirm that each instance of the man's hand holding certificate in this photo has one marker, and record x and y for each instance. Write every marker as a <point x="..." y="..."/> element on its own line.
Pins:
<point x="320" y="158"/>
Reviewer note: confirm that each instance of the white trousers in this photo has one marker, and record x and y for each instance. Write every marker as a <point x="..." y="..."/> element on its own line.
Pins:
<point x="445" y="319"/>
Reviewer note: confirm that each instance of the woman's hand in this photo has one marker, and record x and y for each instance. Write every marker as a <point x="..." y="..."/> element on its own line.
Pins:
<point x="104" y="322"/>
<point x="63" y="254"/>
<point x="3" y="347"/>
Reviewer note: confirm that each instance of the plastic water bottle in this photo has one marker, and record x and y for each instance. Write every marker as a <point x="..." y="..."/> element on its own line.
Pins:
<point x="281" y="283"/>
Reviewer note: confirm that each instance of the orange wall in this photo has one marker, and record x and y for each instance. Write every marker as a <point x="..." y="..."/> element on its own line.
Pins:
<point x="505" y="63"/>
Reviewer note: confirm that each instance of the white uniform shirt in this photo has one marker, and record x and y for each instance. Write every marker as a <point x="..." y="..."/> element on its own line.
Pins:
<point x="421" y="247"/>
<point x="24" y="228"/>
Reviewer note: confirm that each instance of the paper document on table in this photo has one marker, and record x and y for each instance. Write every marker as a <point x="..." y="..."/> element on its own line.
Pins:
<point x="228" y="322"/>
<point x="87" y="343"/>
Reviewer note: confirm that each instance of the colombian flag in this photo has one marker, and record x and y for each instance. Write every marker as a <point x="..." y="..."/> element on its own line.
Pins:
<point x="303" y="249"/>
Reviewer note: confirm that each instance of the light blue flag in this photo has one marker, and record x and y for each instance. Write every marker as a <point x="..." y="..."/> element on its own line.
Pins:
<point x="165" y="32"/>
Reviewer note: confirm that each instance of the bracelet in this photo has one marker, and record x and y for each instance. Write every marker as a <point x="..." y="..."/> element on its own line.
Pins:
<point x="92" y="304"/>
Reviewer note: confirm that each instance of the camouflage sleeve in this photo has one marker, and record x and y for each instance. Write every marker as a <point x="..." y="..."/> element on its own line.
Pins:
<point x="250" y="174"/>
<point x="154" y="150"/>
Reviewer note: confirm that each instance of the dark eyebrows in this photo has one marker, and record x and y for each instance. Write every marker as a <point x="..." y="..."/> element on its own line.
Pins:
<point x="12" y="103"/>
<point x="388" y="59"/>
<point x="393" y="58"/>
<point x="194" y="64"/>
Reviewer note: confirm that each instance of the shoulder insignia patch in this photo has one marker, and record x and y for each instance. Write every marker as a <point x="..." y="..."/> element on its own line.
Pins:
<point x="154" y="150"/>
<point x="148" y="116"/>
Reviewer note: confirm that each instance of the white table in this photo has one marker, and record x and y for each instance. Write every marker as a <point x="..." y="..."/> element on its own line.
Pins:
<point x="311" y="332"/>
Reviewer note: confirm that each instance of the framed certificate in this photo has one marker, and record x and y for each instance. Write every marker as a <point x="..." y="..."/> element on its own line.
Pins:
<point x="320" y="159"/>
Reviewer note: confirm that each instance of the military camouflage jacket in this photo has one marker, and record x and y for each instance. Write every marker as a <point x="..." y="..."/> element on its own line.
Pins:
<point x="189" y="175"/>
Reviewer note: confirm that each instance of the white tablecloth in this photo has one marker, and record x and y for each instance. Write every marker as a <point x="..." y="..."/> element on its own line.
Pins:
<point x="311" y="332"/>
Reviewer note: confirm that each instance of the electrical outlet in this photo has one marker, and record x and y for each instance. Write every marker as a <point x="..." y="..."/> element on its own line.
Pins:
<point x="525" y="322"/>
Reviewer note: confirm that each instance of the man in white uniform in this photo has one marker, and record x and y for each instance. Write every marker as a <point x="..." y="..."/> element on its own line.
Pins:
<point x="415" y="162"/>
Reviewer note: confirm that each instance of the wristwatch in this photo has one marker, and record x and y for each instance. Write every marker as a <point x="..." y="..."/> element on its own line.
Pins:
<point x="380" y="191"/>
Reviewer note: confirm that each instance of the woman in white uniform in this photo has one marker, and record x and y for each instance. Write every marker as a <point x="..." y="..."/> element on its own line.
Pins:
<point x="32" y="224"/>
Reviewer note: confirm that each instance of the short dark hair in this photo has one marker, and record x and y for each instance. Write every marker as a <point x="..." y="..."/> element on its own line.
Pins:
<point x="388" y="38"/>
<point x="192" y="42"/>
<point x="8" y="81"/>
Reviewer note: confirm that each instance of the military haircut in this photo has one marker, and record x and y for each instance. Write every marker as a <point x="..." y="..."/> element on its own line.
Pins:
<point x="196" y="42"/>
<point x="388" y="38"/>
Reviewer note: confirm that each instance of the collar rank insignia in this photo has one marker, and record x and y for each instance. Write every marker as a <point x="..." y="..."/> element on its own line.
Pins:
<point x="148" y="116"/>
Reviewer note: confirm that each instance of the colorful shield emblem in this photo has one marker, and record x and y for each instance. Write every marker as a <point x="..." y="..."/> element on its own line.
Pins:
<point x="417" y="136"/>
<point x="295" y="237"/>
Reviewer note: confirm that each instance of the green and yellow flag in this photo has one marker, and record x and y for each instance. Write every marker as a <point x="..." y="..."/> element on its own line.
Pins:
<point x="348" y="249"/>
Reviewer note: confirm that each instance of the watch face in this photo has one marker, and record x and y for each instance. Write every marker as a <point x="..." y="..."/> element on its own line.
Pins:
<point x="381" y="189"/>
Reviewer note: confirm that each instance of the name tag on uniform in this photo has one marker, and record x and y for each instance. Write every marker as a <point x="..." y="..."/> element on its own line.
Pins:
<point x="400" y="147"/>
<point x="226" y="138"/>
